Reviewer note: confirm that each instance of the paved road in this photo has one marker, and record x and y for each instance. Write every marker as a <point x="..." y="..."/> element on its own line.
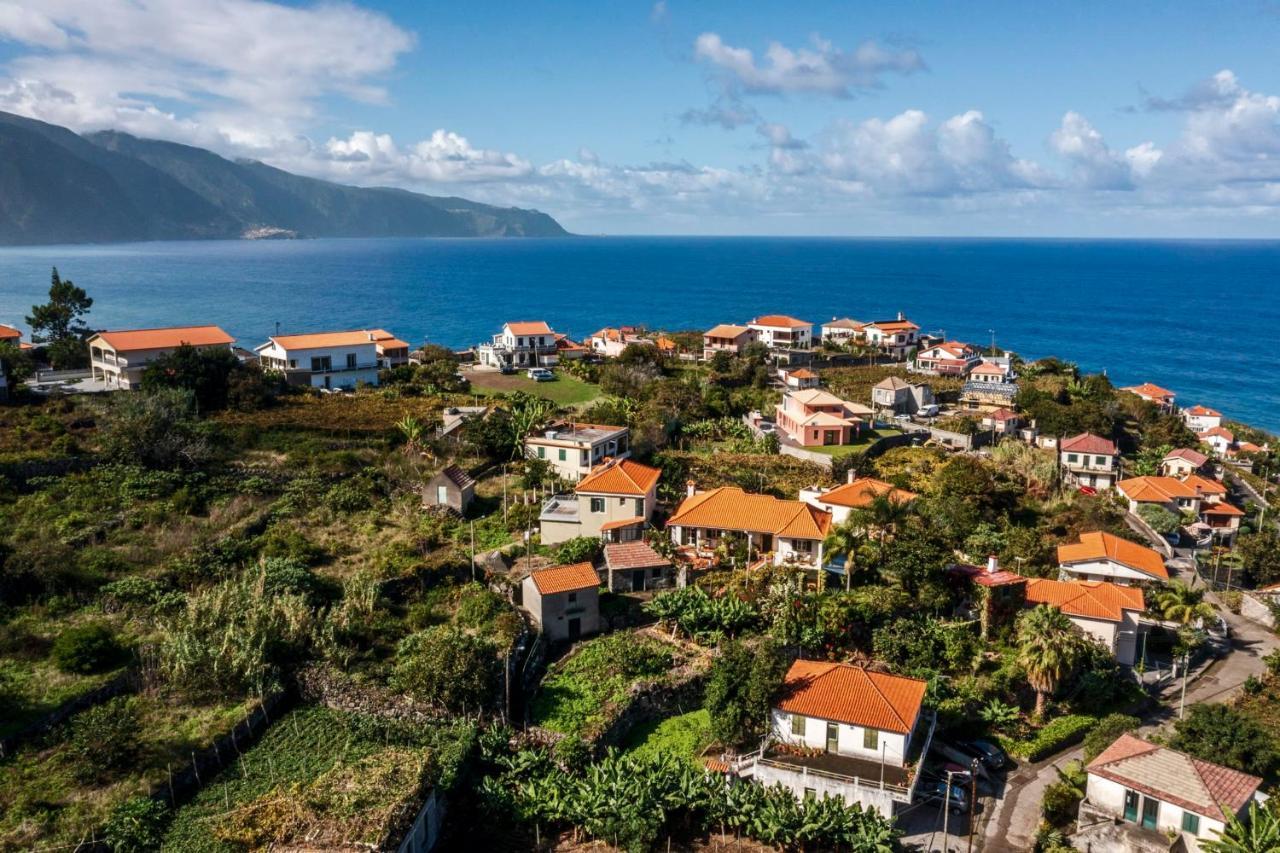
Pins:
<point x="1015" y="816"/>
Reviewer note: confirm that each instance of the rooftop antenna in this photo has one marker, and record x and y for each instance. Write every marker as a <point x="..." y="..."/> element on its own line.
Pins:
<point x="277" y="328"/>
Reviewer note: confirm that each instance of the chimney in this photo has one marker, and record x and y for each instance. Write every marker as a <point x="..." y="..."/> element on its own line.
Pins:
<point x="851" y="476"/>
<point x="993" y="564"/>
<point x="370" y="334"/>
<point x="690" y="488"/>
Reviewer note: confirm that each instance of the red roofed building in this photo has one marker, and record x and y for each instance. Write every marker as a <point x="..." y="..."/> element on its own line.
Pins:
<point x="1200" y="418"/>
<point x="786" y="337"/>
<point x="635" y="566"/>
<point x="1221" y="439"/>
<point x="331" y="359"/>
<point x="1163" y="398"/>
<point x="892" y="337"/>
<point x="1101" y="556"/>
<point x="1183" y="461"/>
<point x="1089" y="460"/>
<point x="563" y="601"/>
<point x="950" y="358"/>
<point x="613" y="502"/>
<point x="118" y="358"/>
<point x="786" y="531"/>
<point x="1140" y="795"/>
<point x="857" y="493"/>
<point x="1105" y="611"/>
<point x="523" y="343"/>
<point x="726" y="337"/>
<point x="845" y="731"/>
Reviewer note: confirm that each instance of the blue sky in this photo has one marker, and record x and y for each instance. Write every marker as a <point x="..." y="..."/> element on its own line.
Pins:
<point x="711" y="117"/>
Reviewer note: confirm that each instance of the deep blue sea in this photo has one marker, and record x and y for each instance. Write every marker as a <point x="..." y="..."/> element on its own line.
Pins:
<point x="1198" y="317"/>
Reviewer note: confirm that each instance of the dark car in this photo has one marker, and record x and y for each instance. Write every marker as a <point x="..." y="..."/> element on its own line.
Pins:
<point x="991" y="756"/>
<point x="934" y="792"/>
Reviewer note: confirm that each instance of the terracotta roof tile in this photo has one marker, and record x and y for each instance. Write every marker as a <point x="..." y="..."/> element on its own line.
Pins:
<point x="632" y="555"/>
<point x="780" y="320"/>
<point x="1146" y="389"/>
<point x="622" y="477"/>
<point x="127" y="340"/>
<point x="849" y="694"/>
<point x="982" y="577"/>
<point x="1004" y="415"/>
<point x="1220" y="508"/>
<point x="893" y="325"/>
<point x="1087" y="442"/>
<point x="529" y="327"/>
<point x="1195" y="457"/>
<point x="1220" y="432"/>
<point x="726" y="330"/>
<point x="1206" y="485"/>
<point x="731" y="508"/>
<point x="1090" y="599"/>
<point x="623" y="522"/>
<point x="319" y="340"/>
<point x="1155" y="489"/>
<point x="860" y="492"/>
<point x="803" y="373"/>
<point x="1099" y="545"/>
<point x="565" y="578"/>
<point x="1202" y="412"/>
<point x="1190" y="783"/>
<point x="9" y="333"/>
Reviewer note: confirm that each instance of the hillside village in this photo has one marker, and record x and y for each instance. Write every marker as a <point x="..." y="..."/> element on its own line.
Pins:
<point x="773" y="585"/>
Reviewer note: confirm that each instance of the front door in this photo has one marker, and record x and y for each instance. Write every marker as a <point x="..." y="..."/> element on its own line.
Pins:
<point x="830" y="437"/>
<point x="833" y="737"/>
<point x="637" y="580"/>
<point x="575" y="628"/>
<point x="1150" y="810"/>
<point x="1131" y="806"/>
<point x="442" y="495"/>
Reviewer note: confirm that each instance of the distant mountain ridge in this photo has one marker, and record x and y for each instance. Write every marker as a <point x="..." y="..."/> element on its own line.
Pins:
<point x="59" y="187"/>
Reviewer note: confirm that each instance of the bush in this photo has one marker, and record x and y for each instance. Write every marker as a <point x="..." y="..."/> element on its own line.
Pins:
<point x="1228" y="736"/>
<point x="448" y="668"/>
<point x="580" y="549"/>
<point x="1062" y="798"/>
<point x="1059" y="733"/>
<point x="1160" y="520"/>
<point x="1105" y="733"/>
<point x="289" y="576"/>
<point x="104" y="738"/>
<point x="130" y="592"/>
<point x="740" y="690"/>
<point x="137" y="825"/>
<point x="86" y="649"/>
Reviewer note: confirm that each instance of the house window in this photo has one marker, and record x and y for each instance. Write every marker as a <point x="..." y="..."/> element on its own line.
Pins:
<point x="597" y="504"/>
<point x="797" y="725"/>
<point x="1101" y="460"/>
<point x="639" y="507"/>
<point x="802" y="545"/>
<point x="519" y="342"/>
<point x="1131" y="806"/>
<point x="562" y="454"/>
<point x="811" y="793"/>
<point x="1072" y="458"/>
<point x="542" y="453"/>
<point x="1191" y="823"/>
<point x="293" y="362"/>
<point x="656" y="572"/>
<point x="871" y="739"/>
<point x="573" y="598"/>
<point x="351" y="360"/>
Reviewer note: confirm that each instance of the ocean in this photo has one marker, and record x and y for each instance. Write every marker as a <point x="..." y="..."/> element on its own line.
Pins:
<point x="1193" y="316"/>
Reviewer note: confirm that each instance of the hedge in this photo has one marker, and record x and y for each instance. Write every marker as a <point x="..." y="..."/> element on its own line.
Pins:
<point x="1054" y="736"/>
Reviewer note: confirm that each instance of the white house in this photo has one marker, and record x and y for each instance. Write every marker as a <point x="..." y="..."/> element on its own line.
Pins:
<point x="1182" y="462"/>
<point x="1089" y="460"/>
<point x="324" y="359"/>
<point x="844" y="731"/>
<point x="1104" y="611"/>
<point x="573" y="450"/>
<point x="1162" y="398"/>
<point x="527" y="343"/>
<point x="950" y="358"/>
<point x="1201" y="418"/>
<point x="563" y="601"/>
<point x="892" y="337"/>
<point x="613" y="502"/>
<point x="1219" y="438"/>
<point x="800" y="379"/>
<point x="1140" y="795"/>
<point x="857" y="493"/>
<point x="610" y="342"/>
<point x="119" y="357"/>
<point x="842" y="330"/>
<point x="1100" y="556"/>
<point x="726" y="338"/>
<point x="783" y="530"/>
<point x="782" y="334"/>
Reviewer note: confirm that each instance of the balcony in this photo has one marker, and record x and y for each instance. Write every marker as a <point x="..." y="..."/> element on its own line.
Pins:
<point x="330" y="369"/>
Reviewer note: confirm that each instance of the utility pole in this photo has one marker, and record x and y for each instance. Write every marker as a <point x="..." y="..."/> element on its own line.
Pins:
<point x="504" y="493"/>
<point x="1186" y="667"/>
<point x="946" y="813"/>
<point x="973" y="799"/>
<point x="473" y="550"/>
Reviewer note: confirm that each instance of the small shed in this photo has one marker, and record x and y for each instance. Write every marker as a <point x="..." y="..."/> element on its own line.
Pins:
<point x="635" y="566"/>
<point x="563" y="601"/>
<point x="452" y="487"/>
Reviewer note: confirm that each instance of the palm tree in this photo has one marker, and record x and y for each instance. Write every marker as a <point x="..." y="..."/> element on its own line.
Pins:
<point x="881" y="518"/>
<point x="1179" y="603"/>
<point x="1259" y="833"/>
<point x="1048" y="647"/>
<point x="844" y="541"/>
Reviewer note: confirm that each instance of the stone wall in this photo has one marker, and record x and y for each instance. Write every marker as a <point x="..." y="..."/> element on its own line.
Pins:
<point x="1254" y="608"/>
<point x="125" y="682"/>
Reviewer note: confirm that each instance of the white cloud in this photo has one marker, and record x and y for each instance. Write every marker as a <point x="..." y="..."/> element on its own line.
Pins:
<point x="1093" y="164"/>
<point x="18" y="23"/>
<point x="445" y="157"/>
<point x="821" y="69"/>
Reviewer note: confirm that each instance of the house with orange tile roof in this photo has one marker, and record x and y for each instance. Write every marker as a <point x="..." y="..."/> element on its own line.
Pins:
<point x="635" y="566"/>
<point x="784" y="531"/>
<point x="392" y="352"/>
<point x="10" y="335"/>
<point x="1002" y="421"/>
<point x="520" y="344"/>
<point x="119" y="357"/>
<point x="610" y="342"/>
<point x="842" y="330"/>
<point x="1142" y="796"/>
<point x="563" y="601"/>
<point x="726" y="337"/>
<point x="329" y="359"/>
<point x="614" y="502"/>
<point x="1169" y="492"/>
<point x="1200" y="418"/>
<point x="816" y="418"/>
<point x="1089" y="460"/>
<point x="892" y="337"/>
<point x="789" y="340"/>
<point x="1162" y="398"/>
<point x="573" y="450"/>
<point x="1102" y="556"/>
<point x="1221" y="439"/>
<point x="845" y="731"/>
<point x="568" y="349"/>
<point x="949" y="358"/>
<point x="1183" y="461"/>
<point x="799" y="379"/>
<point x="1107" y="612"/>
<point x="855" y="493"/>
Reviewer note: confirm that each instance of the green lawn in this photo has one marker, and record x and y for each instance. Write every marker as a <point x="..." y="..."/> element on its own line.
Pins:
<point x="684" y="736"/>
<point x="566" y="390"/>
<point x="865" y="439"/>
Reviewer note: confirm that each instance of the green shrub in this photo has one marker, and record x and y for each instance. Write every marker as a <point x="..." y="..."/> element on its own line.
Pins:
<point x="448" y="668"/>
<point x="104" y="738"/>
<point x="137" y="825"/>
<point x="1059" y="733"/>
<point x="86" y="649"/>
<point x="348" y="496"/>
<point x="580" y="549"/>
<point x="130" y="592"/>
<point x="1062" y="798"/>
<point x="479" y="606"/>
<point x="289" y="576"/>
<point x="1104" y="734"/>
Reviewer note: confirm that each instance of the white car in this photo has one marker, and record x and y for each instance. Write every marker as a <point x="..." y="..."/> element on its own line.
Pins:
<point x="540" y="374"/>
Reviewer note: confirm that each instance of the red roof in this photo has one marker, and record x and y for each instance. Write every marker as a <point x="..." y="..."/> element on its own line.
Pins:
<point x="780" y="320"/>
<point x="622" y="522"/>
<point x="622" y="477"/>
<point x="9" y="333"/>
<point x="1175" y="777"/>
<point x="321" y="340"/>
<point x="1221" y="432"/>
<point x="1087" y="442"/>
<point x="1004" y="415"/>
<point x="132" y="340"/>
<point x="1150" y="391"/>
<point x="725" y="330"/>
<point x="731" y="508"/>
<point x="1089" y="599"/>
<point x="1099" y="545"/>
<point x="565" y="578"/>
<point x="1220" y="508"/>
<point x="529" y="327"/>
<point x="862" y="491"/>
<point x="844" y="693"/>
<point x="1202" y="412"/>
<point x="1195" y="457"/>
<point x="982" y="577"/>
<point x="632" y="555"/>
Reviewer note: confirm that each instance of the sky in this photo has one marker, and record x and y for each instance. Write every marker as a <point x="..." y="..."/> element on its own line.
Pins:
<point x="680" y="117"/>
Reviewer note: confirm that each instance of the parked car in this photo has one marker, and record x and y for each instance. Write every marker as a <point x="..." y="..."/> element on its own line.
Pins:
<point x="935" y="792"/>
<point x="991" y="756"/>
<point x="541" y="374"/>
<point x="506" y="370"/>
